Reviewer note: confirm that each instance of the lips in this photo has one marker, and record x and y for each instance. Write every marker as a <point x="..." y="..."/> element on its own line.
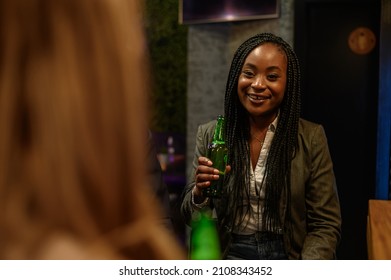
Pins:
<point x="256" y="98"/>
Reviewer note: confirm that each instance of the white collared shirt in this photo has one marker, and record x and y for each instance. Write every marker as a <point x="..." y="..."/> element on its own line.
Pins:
<point x="253" y="219"/>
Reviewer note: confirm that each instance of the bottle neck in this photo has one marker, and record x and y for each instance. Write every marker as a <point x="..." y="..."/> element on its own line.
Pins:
<point x="218" y="136"/>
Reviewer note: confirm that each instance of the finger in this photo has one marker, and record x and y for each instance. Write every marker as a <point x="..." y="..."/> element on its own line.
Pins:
<point x="203" y="180"/>
<point x="204" y="161"/>
<point x="202" y="169"/>
<point x="202" y="185"/>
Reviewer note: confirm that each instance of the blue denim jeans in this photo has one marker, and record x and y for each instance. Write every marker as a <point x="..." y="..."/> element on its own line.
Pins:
<point x="257" y="246"/>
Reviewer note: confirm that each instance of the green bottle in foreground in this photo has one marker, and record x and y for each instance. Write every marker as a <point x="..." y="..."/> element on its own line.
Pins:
<point x="204" y="242"/>
<point x="217" y="153"/>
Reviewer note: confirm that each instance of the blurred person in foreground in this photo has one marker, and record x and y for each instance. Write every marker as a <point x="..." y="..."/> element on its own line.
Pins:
<point x="73" y="84"/>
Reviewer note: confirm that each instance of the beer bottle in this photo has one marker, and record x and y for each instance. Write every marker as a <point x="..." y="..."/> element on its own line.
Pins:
<point x="217" y="153"/>
<point x="204" y="243"/>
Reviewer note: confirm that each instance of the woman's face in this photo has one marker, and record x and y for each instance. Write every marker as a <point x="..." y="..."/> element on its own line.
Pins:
<point x="262" y="81"/>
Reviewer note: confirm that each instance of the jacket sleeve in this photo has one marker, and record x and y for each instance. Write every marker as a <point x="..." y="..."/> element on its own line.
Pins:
<point x="202" y="139"/>
<point x="322" y="203"/>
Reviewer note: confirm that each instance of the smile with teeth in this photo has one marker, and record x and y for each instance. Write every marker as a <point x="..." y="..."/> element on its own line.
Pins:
<point x="256" y="97"/>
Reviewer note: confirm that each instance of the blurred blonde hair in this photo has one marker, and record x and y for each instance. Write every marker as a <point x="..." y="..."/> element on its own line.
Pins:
<point x="73" y="120"/>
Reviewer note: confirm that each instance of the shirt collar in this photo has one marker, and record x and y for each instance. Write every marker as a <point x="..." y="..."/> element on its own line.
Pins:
<point x="272" y="127"/>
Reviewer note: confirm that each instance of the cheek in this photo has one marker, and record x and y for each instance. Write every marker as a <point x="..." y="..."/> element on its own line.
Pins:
<point x="280" y="88"/>
<point x="279" y="96"/>
<point x="242" y="85"/>
<point x="281" y="91"/>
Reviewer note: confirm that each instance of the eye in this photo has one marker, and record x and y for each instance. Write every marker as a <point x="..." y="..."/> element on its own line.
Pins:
<point x="248" y="73"/>
<point x="272" y="77"/>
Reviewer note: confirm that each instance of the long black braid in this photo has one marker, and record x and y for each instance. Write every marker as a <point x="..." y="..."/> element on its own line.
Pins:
<point x="283" y="147"/>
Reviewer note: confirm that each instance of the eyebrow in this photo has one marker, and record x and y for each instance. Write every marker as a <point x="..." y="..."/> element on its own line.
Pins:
<point x="248" y="64"/>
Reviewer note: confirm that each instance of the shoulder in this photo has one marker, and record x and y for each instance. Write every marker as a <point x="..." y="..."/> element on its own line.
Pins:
<point x="309" y="128"/>
<point x="307" y="125"/>
<point x="208" y="125"/>
<point x="311" y="132"/>
<point x="206" y="129"/>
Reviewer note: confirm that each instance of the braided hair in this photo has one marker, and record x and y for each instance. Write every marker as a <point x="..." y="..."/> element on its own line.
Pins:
<point x="283" y="147"/>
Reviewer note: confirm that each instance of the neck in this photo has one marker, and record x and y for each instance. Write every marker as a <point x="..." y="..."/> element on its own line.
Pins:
<point x="260" y="124"/>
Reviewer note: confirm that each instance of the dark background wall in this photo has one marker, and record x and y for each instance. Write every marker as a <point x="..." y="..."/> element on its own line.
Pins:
<point x="340" y="91"/>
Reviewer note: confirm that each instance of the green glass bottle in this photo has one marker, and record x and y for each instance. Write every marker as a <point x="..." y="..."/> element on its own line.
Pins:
<point x="204" y="242"/>
<point x="217" y="153"/>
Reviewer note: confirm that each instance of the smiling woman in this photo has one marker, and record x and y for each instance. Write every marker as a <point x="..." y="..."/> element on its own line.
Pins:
<point x="261" y="88"/>
<point x="262" y="82"/>
<point x="279" y="198"/>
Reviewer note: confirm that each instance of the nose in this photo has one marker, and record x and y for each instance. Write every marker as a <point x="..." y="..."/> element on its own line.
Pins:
<point x="258" y="82"/>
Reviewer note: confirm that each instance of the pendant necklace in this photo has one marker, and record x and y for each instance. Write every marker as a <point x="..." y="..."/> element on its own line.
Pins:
<point x="259" y="140"/>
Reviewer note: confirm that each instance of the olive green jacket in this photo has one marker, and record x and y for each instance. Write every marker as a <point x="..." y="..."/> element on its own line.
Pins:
<point x="315" y="210"/>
